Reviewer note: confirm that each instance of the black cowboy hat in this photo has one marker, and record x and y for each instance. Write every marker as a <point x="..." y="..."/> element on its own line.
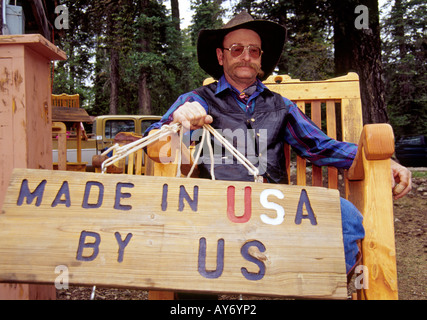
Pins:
<point x="272" y="40"/>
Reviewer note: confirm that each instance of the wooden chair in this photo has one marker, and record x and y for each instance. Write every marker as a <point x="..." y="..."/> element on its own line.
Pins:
<point x="133" y="164"/>
<point x="335" y="106"/>
<point x="66" y="109"/>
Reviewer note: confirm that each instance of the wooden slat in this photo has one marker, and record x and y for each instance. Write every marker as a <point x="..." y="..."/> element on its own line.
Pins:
<point x="139" y="162"/>
<point x="331" y="128"/>
<point x="352" y="120"/>
<point x="316" y="116"/>
<point x="301" y="163"/>
<point x="130" y="165"/>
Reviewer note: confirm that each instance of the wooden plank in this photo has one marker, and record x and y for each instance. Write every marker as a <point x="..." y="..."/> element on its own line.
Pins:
<point x="70" y="114"/>
<point x="316" y="116"/>
<point x="352" y="120"/>
<point x="301" y="163"/>
<point x="331" y="131"/>
<point x="346" y="87"/>
<point x="172" y="233"/>
<point x="36" y="43"/>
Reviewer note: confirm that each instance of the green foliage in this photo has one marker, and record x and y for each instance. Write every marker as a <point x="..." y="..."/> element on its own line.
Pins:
<point x="405" y="67"/>
<point x="148" y="43"/>
<point x="308" y="51"/>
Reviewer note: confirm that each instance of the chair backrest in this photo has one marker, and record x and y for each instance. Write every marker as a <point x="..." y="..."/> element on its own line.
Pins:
<point x="66" y="100"/>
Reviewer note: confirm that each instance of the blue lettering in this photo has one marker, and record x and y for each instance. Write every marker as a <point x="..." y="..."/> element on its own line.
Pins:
<point x="219" y="260"/>
<point x="184" y="195"/>
<point x="87" y="191"/>
<point x="83" y="245"/>
<point x="24" y="192"/>
<point x="120" y="195"/>
<point x="310" y="213"/>
<point x="245" y="253"/>
<point x="63" y="191"/>
<point x="122" y="244"/>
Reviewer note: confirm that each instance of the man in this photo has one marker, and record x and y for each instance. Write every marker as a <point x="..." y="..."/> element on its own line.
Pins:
<point x="240" y="55"/>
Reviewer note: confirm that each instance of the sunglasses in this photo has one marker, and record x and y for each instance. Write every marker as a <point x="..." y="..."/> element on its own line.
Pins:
<point x="236" y="50"/>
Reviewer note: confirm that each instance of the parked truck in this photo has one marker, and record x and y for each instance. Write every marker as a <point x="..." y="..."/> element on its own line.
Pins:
<point x="104" y="129"/>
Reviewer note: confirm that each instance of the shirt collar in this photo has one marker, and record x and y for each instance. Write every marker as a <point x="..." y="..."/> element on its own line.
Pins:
<point x="223" y="85"/>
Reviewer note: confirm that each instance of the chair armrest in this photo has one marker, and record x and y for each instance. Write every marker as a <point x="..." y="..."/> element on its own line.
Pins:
<point x="376" y="143"/>
<point x="370" y="190"/>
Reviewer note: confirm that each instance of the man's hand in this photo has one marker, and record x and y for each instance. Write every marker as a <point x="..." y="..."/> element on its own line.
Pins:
<point x="401" y="182"/>
<point x="191" y="115"/>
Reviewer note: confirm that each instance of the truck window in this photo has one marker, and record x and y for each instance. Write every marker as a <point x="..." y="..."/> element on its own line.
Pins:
<point x="113" y="127"/>
<point x="145" y="124"/>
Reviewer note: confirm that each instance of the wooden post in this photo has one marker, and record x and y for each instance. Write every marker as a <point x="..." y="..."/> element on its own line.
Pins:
<point x="25" y="122"/>
<point x="61" y="130"/>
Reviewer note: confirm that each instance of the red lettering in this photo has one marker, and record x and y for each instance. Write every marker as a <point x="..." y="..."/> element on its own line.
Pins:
<point x="231" y="205"/>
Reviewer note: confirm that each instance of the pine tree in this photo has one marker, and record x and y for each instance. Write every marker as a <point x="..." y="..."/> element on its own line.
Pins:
<point x="405" y="47"/>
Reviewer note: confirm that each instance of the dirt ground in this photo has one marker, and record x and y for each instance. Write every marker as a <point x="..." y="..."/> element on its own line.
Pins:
<point x="411" y="241"/>
<point x="411" y="253"/>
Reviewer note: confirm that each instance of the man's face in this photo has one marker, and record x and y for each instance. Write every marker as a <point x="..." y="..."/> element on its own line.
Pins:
<point x="245" y="68"/>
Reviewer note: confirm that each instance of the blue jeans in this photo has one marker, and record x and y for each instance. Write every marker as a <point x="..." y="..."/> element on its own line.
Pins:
<point x="353" y="230"/>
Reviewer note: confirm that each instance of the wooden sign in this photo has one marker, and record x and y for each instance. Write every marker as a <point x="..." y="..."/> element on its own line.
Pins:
<point x="172" y="233"/>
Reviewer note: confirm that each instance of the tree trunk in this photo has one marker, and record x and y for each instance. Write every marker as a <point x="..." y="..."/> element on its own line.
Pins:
<point x="359" y="50"/>
<point x="175" y="14"/>
<point x="114" y="79"/>
<point x="144" y="96"/>
<point x="1" y="17"/>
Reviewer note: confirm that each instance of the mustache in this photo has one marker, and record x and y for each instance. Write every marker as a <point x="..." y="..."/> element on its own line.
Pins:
<point x="246" y="64"/>
<point x="254" y="66"/>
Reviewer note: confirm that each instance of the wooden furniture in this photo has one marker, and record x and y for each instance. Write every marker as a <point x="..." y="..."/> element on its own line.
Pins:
<point x="134" y="164"/>
<point x="66" y="109"/>
<point x="25" y="121"/>
<point x="335" y="106"/>
<point x="60" y="130"/>
<point x="66" y="100"/>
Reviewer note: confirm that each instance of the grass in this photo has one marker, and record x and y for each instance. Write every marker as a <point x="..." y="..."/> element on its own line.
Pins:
<point x="419" y="174"/>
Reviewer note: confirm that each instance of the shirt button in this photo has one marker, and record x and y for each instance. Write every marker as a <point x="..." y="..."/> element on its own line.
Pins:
<point x="253" y="119"/>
